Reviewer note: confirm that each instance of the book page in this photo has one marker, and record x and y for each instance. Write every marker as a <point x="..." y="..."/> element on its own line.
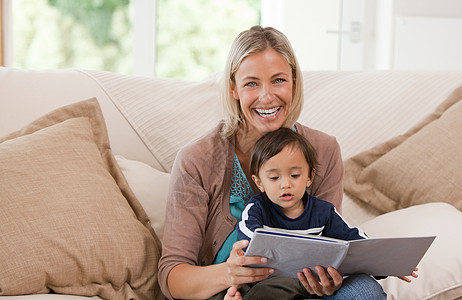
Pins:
<point x="385" y="256"/>
<point x="290" y="253"/>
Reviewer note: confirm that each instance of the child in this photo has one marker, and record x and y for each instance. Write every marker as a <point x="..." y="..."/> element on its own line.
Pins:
<point x="283" y="165"/>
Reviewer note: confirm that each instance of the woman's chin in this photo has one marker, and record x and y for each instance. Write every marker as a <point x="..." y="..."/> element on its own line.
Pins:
<point x="270" y="123"/>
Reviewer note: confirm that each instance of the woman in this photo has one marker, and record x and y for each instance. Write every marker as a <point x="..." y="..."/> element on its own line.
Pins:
<point x="211" y="180"/>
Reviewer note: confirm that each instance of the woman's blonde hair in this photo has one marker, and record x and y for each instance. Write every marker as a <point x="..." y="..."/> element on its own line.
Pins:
<point x="255" y="40"/>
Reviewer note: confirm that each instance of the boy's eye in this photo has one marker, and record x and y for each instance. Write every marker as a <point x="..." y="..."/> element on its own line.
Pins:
<point x="295" y="175"/>
<point x="274" y="177"/>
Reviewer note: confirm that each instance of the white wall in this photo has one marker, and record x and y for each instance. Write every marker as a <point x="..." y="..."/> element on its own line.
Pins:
<point x="428" y="8"/>
<point x="427" y="34"/>
<point x="427" y="43"/>
<point x="385" y="43"/>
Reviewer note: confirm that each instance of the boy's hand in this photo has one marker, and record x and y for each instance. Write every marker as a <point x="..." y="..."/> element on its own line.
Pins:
<point x="405" y="278"/>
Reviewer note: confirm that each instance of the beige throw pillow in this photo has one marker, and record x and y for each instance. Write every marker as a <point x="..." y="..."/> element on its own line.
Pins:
<point x="440" y="270"/>
<point x="68" y="220"/>
<point x="421" y="166"/>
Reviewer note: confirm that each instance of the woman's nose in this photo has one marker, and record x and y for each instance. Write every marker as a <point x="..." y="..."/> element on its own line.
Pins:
<point x="266" y="94"/>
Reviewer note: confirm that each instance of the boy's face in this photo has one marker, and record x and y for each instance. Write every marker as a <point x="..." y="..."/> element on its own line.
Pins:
<point x="284" y="178"/>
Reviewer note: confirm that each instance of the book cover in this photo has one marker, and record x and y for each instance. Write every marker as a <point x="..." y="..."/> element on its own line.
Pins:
<point x="288" y="253"/>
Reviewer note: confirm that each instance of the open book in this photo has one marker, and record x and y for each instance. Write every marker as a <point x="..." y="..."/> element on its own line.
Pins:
<point x="288" y="253"/>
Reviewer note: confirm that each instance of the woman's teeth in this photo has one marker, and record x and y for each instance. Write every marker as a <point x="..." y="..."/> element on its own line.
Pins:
<point x="267" y="113"/>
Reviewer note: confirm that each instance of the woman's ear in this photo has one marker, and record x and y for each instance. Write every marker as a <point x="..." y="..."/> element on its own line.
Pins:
<point x="258" y="183"/>
<point x="294" y="85"/>
<point x="234" y="91"/>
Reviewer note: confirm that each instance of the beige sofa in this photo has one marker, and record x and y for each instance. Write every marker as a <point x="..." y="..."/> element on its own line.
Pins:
<point x="390" y="190"/>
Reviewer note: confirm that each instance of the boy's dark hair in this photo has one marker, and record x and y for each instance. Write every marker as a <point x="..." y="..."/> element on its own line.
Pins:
<point x="271" y="143"/>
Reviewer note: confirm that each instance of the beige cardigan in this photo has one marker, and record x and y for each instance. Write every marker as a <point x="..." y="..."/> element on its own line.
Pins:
<point x="198" y="219"/>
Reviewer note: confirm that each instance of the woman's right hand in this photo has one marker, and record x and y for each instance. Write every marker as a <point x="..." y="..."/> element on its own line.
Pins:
<point x="237" y="272"/>
<point x="325" y="285"/>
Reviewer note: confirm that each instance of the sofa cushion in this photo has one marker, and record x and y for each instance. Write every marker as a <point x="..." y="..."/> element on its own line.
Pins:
<point x="150" y="187"/>
<point x="440" y="270"/>
<point x="418" y="167"/>
<point x="166" y="113"/>
<point x="69" y="221"/>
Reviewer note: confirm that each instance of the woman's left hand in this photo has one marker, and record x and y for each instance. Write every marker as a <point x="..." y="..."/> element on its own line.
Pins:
<point x="323" y="287"/>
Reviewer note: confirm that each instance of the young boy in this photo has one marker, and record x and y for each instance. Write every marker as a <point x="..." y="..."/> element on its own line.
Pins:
<point x="283" y="165"/>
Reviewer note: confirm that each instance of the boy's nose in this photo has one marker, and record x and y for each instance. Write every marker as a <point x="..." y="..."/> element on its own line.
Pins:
<point x="285" y="182"/>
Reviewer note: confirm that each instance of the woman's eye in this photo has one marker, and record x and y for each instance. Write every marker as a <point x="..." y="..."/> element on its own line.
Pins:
<point x="279" y="80"/>
<point x="250" y="84"/>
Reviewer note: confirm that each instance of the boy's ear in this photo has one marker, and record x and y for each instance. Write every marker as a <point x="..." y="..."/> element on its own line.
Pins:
<point x="310" y="178"/>
<point x="309" y="182"/>
<point x="258" y="183"/>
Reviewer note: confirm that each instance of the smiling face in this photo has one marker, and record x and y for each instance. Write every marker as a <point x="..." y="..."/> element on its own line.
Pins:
<point x="264" y="87"/>
<point x="284" y="178"/>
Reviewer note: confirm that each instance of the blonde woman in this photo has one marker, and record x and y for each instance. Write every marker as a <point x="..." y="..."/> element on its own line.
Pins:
<point x="211" y="183"/>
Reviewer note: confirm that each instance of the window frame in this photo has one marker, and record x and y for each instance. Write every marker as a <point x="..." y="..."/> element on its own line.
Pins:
<point x="2" y="51"/>
<point x="144" y="37"/>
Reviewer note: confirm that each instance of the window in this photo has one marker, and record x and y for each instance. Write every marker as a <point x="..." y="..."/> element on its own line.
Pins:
<point x="166" y="38"/>
<point x="194" y="37"/>
<point x="67" y="34"/>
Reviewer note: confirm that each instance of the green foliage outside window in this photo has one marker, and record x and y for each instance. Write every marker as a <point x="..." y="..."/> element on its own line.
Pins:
<point x="48" y="35"/>
<point x="95" y="16"/>
<point x="193" y="37"/>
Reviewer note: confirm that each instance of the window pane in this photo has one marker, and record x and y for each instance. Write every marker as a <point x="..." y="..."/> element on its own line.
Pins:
<point x="194" y="37"/>
<point x="84" y="34"/>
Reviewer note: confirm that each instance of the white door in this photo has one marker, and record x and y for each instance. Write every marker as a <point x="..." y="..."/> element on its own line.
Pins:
<point x="325" y="34"/>
<point x="353" y="34"/>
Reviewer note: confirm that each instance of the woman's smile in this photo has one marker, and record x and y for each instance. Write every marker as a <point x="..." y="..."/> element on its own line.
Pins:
<point x="268" y="113"/>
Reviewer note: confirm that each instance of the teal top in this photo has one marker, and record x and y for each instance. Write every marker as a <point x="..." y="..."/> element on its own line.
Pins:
<point x="240" y="194"/>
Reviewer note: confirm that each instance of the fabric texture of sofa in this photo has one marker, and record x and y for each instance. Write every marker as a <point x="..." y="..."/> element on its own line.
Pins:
<point x="85" y="157"/>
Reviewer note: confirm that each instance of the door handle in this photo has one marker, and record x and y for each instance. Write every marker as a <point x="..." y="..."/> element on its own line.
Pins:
<point x="354" y="33"/>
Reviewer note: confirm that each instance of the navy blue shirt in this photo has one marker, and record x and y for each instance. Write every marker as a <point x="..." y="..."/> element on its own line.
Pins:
<point x="319" y="218"/>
